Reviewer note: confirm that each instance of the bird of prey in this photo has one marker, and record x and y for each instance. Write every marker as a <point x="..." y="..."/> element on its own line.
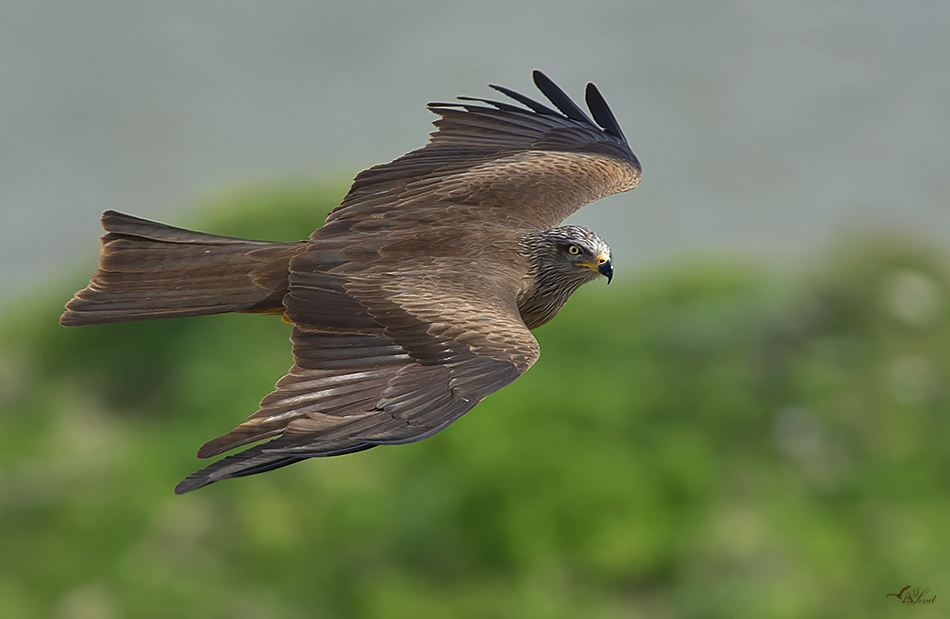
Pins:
<point x="415" y="300"/>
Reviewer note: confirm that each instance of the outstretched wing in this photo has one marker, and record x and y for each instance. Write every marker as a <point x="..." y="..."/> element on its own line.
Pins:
<point x="373" y="365"/>
<point x="494" y="162"/>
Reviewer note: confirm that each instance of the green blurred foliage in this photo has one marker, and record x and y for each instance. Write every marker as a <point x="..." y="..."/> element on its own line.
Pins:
<point x="701" y="441"/>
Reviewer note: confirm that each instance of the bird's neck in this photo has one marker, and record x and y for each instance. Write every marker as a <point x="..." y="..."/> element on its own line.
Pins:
<point x="541" y="298"/>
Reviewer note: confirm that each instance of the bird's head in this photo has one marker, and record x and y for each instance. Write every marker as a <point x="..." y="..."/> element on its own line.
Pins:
<point x="572" y="254"/>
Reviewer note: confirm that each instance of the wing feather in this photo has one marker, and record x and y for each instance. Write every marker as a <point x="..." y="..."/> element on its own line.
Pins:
<point x="559" y="98"/>
<point x="602" y="113"/>
<point x="528" y="167"/>
<point x="535" y="106"/>
<point x="352" y="388"/>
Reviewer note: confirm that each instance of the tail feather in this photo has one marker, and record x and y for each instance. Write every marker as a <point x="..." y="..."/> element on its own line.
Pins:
<point x="148" y="270"/>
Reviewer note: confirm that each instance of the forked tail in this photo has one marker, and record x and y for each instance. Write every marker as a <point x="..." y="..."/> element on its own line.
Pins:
<point x="148" y="270"/>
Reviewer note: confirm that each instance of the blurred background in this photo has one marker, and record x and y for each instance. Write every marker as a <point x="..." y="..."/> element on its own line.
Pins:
<point x="751" y="422"/>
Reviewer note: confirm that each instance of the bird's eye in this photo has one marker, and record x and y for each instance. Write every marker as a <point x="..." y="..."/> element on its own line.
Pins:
<point x="573" y="250"/>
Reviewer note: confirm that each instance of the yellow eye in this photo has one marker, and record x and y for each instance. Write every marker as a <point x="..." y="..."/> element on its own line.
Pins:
<point x="573" y="250"/>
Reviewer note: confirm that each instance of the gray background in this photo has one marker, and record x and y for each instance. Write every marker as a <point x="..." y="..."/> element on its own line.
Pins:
<point x="766" y="130"/>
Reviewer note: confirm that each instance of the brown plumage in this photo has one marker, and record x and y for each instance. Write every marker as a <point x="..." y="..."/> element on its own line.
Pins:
<point x="415" y="300"/>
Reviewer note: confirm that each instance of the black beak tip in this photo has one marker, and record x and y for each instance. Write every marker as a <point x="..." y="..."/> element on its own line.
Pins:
<point x="607" y="270"/>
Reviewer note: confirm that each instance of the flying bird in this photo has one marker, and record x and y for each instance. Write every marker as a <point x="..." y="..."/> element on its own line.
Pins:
<point x="415" y="300"/>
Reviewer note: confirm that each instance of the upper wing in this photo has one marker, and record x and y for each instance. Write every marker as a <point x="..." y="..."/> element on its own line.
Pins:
<point x="497" y="162"/>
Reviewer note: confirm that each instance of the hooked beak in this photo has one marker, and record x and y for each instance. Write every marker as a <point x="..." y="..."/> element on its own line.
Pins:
<point x="606" y="269"/>
<point x="603" y="266"/>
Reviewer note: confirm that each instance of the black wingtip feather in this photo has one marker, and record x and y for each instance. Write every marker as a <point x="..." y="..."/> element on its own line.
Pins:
<point x="598" y="116"/>
<point x="601" y="111"/>
<point x="603" y="116"/>
<point x="504" y="107"/>
<point x="207" y="475"/>
<point x="540" y="108"/>
<point x="559" y="98"/>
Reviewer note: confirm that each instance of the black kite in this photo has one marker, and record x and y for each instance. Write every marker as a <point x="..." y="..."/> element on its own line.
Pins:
<point x="415" y="300"/>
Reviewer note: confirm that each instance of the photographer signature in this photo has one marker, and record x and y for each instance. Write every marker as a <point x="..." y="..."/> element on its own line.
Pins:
<point x="916" y="596"/>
